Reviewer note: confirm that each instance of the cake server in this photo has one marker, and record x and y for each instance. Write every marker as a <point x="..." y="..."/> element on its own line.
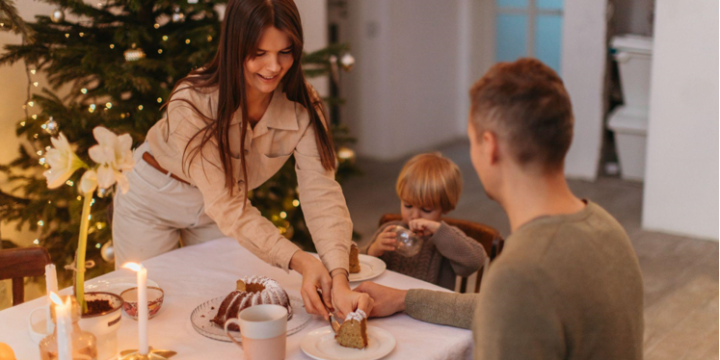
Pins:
<point x="334" y="324"/>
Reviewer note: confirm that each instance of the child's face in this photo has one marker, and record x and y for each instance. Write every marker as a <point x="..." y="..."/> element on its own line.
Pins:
<point x="411" y="212"/>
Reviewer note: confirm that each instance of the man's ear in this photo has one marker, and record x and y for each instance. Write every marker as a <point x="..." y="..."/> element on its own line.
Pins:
<point x="490" y="147"/>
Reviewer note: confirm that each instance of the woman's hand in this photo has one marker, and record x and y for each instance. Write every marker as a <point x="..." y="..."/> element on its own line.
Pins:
<point x="314" y="276"/>
<point x="387" y="300"/>
<point x="386" y="241"/>
<point x="424" y="227"/>
<point x="345" y="300"/>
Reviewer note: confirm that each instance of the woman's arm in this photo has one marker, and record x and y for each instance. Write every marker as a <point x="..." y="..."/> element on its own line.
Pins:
<point x="466" y="254"/>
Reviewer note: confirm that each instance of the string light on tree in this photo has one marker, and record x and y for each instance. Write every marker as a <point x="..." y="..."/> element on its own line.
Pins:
<point x="57" y="16"/>
<point x="178" y="16"/>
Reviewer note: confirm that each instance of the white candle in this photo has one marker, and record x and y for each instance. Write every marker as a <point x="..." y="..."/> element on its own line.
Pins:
<point x="64" y="327"/>
<point x="142" y="304"/>
<point x="51" y="286"/>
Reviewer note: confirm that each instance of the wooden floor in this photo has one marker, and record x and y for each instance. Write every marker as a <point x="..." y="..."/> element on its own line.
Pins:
<point x="680" y="273"/>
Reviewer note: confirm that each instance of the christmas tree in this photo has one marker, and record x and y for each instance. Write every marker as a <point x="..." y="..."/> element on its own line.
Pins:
<point x="121" y="59"/>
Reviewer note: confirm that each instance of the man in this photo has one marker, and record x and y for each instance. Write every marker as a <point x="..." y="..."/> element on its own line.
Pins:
<point x="568" y="283"/>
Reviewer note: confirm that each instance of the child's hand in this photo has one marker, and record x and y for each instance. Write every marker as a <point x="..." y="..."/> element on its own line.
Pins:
<point x="384" y="242"/>
<point x="424" y="227"/>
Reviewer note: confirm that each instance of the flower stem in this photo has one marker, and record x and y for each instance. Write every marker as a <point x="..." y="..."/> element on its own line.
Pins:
<point x="82" y="249"/>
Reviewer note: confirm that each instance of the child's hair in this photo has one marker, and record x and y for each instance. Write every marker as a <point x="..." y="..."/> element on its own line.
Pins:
<point x="430" y="180"/>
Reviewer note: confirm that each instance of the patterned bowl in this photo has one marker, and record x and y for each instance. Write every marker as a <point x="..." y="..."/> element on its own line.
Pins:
<point x="155" y="299"/>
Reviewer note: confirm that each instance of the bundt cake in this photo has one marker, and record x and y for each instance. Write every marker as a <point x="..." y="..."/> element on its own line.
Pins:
<point x="353" y="331"/>
<point x="251" y="290"/>
<point x="354" y="259"/>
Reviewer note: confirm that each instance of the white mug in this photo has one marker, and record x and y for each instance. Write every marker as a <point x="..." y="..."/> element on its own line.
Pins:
<point x="263" y="329"/>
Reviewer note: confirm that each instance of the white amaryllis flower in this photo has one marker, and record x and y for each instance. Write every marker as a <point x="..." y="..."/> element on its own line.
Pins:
<point x="62" y="160"/>
<point x="114" y="157"/>
<point x="89" y="182"/>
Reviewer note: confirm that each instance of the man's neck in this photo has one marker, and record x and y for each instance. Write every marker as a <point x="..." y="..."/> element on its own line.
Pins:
<point x="526" y="197"/>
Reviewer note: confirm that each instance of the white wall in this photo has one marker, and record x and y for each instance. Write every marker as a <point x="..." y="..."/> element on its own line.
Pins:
<point x="314" y="21"/>
<point x="681" y="186"/>
<point x="402" y="96"/>
<point x="583" y="71"/>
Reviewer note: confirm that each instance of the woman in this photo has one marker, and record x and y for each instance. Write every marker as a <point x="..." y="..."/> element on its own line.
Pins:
<point x="230" y="126"/>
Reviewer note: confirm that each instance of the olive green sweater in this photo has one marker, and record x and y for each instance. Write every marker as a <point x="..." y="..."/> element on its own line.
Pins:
<point x="564" y="287"/>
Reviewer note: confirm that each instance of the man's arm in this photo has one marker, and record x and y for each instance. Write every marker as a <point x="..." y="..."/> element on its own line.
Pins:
<point x="437" y="307"/>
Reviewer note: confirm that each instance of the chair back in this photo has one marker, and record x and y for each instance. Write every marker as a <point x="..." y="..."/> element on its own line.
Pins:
<point x="487" y="236"/>
<point x="18" y="263"/>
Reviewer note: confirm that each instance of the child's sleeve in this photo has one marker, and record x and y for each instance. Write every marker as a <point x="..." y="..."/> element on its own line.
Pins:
<point x="364" y="249"/>
<point x="466" y="254"/>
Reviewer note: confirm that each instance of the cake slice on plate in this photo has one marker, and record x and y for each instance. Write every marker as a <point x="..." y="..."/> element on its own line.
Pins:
<point x="353" y="331"/>
<point x="354" y="259"/>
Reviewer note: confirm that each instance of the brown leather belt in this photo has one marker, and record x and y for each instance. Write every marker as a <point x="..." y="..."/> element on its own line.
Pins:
<point x="152" y="162"/>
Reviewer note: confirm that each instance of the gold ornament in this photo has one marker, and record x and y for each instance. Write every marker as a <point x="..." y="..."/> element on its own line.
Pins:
<point x="57" y="16"/>
<point x="134" y="54"/>
<point x="347" y="61"/>
<point x="345" y="154"/>
<point x="107" y="251"/>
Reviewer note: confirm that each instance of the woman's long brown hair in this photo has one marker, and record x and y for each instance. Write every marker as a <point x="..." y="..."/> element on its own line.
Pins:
<point x="241" y="29"/>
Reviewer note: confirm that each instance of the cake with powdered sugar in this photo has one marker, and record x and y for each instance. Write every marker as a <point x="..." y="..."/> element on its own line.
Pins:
<point x="251" y="290"/>
<point x="353" y="331"/>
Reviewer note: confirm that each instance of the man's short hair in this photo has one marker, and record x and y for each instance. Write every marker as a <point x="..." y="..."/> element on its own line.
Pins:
<point x="527" y="107"/>
<point x="430" y="180"/>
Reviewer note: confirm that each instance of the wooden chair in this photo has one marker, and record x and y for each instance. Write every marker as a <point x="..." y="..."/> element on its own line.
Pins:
<point x="487" y="236"/>
<point x="18" y="263"/>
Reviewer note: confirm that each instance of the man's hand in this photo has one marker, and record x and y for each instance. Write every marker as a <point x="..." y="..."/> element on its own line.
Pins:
<point x="388" y="300"/>
<point x="314" y="276"/>
<point x="424" y="227"/>
<point x="386" y="241"/>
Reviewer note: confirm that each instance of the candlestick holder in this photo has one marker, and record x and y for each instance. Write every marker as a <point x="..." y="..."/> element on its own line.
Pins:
<point x="154" y="354"/>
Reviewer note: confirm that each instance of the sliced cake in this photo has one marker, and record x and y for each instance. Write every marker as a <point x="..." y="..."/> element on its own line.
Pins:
<point x="251" y="290"/>
<point x="353" y="331"/>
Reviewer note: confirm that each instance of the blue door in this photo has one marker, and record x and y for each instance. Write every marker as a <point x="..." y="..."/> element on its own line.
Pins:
<point x="529" y="28"/>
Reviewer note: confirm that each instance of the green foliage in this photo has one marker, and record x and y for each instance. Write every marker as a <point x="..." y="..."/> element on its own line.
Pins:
<point x="85" y="52"/>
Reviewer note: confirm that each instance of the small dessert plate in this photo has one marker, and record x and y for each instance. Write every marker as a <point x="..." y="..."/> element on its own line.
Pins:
<point x="320" y="344"/>
<point x="200" y="319"/>
<point x="370" y="268"/>
<point x="155" y="298"/>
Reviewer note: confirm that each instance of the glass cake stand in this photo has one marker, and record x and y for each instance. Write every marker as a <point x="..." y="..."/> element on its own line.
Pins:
<point x="202" y="314"/>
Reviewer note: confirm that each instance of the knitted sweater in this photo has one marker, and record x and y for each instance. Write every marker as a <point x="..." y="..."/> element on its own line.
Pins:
<point x="565" y="287"/>
<point x="444" y="255"/>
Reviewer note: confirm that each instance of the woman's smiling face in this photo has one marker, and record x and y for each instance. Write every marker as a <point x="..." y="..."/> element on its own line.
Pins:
<point x="265" y="69"/>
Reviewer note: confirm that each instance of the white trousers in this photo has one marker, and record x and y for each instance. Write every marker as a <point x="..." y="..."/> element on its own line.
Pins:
<point x="157" y="211"/>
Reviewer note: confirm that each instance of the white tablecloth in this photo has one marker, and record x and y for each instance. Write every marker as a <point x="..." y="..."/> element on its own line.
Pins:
<point x="195" y="274"/>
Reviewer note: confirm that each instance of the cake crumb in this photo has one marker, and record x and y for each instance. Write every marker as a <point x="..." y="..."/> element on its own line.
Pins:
<point x="212" y="308"/>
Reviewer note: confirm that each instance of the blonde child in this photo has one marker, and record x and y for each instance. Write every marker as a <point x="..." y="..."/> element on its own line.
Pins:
<point x="429" y="186"/>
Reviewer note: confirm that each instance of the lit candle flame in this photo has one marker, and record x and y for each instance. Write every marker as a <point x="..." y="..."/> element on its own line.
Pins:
<point x="55" y="298"/>
<point x="133" y="266"/>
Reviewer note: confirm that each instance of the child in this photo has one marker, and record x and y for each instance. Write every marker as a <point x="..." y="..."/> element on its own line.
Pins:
<point x="429" y="186"/>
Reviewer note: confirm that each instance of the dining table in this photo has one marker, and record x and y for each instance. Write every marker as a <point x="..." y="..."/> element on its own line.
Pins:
<point x="192" y="275"/>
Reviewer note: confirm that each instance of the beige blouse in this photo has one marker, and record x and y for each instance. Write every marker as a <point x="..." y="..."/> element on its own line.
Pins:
<point x="283" y="131"/>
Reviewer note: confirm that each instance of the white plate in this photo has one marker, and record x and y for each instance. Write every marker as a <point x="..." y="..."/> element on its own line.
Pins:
<point x="201" y="316"/>
<point x="115" y="285"/>
<point x="320" y="344"/>
<point x="370" y="267"/>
